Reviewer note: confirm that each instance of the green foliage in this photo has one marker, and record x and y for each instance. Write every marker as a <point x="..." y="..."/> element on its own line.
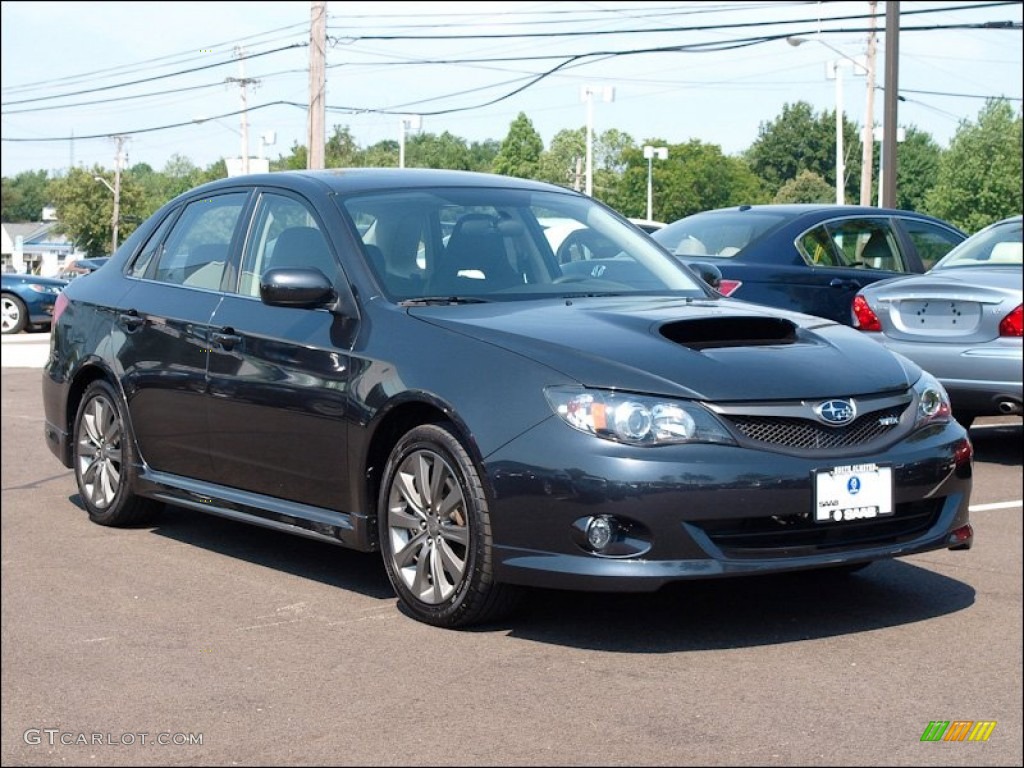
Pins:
<point x="85" y="208"/>
<point x="979" y="177"/>
<point x="341" y="150"/>
<point x="799" y="140"/>
<point x="976" y="181"/>
<point x="520" y="151"/>
<point x="917" y="169"/>
<point x="807" y="187"/>
<point x="695" y="177"/>
<point x="428" y="150"/>
<point x="562" y="162"/>
<point x="24" y="197"/>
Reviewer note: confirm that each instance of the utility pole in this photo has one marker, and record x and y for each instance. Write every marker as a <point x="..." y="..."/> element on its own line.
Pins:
<point x="315" y="134"/>
<point x="868" y="137"/>
<point x="115" y="220"/>
<point x="244" y="82"/>
<point x="887" y="176"/>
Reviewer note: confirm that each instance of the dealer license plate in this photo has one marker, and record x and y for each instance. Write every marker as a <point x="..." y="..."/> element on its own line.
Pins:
<point x="852" y="492"/>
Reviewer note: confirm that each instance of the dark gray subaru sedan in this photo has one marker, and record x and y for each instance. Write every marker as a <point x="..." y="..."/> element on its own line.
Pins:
<point x="402" y="361"/>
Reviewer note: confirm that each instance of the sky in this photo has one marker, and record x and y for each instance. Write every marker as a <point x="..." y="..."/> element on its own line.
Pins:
<point x="166" y="74"/>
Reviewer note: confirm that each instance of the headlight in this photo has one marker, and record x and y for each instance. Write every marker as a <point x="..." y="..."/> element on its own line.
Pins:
<point x="932" y="401"/>
<point x="51" y="289"/>
<point x="635" y="419"/>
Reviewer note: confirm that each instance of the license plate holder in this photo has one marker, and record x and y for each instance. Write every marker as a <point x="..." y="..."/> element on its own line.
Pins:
<point x="852" y="492"/>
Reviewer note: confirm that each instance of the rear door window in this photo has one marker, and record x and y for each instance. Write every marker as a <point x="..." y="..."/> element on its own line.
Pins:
<point x="197" y="247"/>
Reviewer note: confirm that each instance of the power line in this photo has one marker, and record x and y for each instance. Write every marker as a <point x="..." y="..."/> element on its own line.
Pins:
<point x="155" y="77"/>
<point x="703" y="28"/>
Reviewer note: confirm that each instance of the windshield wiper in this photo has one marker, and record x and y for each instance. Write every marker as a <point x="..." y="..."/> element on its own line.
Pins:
<point x="423" y="301"/>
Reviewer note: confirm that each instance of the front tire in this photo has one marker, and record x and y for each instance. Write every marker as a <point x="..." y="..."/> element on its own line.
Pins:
<point x="105" y="461"/>
<point x="435" y="532"/>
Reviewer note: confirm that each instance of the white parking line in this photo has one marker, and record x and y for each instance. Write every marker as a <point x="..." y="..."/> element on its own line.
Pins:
<point x="996" y="505"/>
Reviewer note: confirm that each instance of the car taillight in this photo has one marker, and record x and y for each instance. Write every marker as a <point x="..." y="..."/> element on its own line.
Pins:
<point x="1013" y="323"/>
<point x="728" y="287"/>
<point x="59" y="306"/>
<point x="864" y="317"/>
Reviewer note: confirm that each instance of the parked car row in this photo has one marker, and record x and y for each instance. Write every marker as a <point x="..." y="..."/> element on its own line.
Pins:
<point x="399" y="360"/>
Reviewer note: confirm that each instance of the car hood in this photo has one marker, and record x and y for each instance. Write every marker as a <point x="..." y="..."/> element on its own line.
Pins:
<point x="706" y="349"/>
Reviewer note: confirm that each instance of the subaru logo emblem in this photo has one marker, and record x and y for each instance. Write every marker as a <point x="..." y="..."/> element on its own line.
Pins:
<point x="836" y="412"/>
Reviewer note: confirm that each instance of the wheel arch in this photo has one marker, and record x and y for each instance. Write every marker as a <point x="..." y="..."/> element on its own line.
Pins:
<point x="388" y="430"/>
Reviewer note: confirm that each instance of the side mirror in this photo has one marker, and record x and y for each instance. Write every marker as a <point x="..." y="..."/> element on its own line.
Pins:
<point x="709" y="273"/>
<point x="301" y="288"/>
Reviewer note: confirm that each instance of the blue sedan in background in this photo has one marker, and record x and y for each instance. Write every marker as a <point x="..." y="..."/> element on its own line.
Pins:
<point x="28" y="300"/>
<point x="808" y="258"/>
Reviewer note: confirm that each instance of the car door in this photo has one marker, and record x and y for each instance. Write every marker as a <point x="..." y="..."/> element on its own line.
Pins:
<point x="278" y="376"/>
<point x="842" y="256"/>
<point x="162" y="331"/>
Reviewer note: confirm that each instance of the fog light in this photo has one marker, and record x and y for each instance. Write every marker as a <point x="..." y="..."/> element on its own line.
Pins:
<point x="600" y="532"/>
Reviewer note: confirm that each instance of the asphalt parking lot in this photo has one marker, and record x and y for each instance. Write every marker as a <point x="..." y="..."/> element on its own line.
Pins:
<point x="199" y="641"/>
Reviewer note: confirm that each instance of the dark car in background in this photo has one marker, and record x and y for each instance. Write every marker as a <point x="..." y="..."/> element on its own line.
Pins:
<point x="78" y="267"/>
<point x="396" y="360"/>
<point x="961" y="321"/>
<point x="27" y="301"/>
<point x="808" y="258"/>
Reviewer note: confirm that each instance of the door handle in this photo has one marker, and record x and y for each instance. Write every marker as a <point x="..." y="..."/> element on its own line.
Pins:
<point x="131" y="320"/>
<point x="226" y="339"/>
<point x="839" y="282"/>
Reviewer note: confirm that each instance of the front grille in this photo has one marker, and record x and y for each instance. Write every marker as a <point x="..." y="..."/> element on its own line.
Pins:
<point x="804" y="434"/>
<point x="796" y="535"/>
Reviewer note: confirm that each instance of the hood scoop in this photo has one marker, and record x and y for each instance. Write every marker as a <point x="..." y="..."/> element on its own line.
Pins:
<point x="716" y="332"/>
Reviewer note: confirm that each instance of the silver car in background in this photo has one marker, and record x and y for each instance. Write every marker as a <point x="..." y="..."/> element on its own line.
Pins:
<point x="961" y="321"/>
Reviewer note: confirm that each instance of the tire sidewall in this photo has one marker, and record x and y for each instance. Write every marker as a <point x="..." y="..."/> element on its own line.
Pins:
<point x="438" y="439"/>
<point x="22" y="308"/>
<point x="124" y="496"/>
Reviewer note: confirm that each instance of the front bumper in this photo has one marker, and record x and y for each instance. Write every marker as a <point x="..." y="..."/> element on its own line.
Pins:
<point x="706" y="511"/>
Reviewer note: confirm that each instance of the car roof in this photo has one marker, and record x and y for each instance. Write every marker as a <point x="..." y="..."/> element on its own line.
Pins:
<point x="349" y="180"/>
<point x="800" y="209"/>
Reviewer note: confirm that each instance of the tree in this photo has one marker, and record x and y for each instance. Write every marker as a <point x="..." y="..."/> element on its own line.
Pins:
<point x="428" y="150"/>
<point x="979" y="177"/>
<point x="562" y="162"/>
<point x="807" y="187"/>
<point x="341" y="150"/>
<point x="799" y="140"/>
<point x="24" y="197"/>
<point x="85" y="207"/>
<point x="482" y="154"/>
<point x="695" y="177"/>
<point x="917" y="169"/>
<point x="520" y="151"/>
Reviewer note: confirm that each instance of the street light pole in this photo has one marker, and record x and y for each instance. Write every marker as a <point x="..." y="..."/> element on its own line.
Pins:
<point x="832" y="70"/>
<point x="406" y="123"/>
<point x="587" y="93"/>
<point x="650" y="153"/>
<point x="117" y="213"/>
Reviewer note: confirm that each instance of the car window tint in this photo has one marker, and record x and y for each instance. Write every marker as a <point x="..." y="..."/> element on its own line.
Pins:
<point x="855" y="243"/>
<point x="144" y="258"/>
<point x="197" y="247"/>
<point x="932" y="242"/>
<point x="716" y="234"/>
<point x="286" y="235"/>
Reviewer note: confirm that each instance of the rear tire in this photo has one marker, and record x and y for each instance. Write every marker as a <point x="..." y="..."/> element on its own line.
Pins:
<point x="15" y="314"/>
<point x="435" y="532"/>
<point x="105" y="460"/>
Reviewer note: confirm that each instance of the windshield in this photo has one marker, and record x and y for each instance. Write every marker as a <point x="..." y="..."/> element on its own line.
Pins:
<point x="496" y="244"/>
<point x="998" y="245"/>
<point x="722" y="234"/>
